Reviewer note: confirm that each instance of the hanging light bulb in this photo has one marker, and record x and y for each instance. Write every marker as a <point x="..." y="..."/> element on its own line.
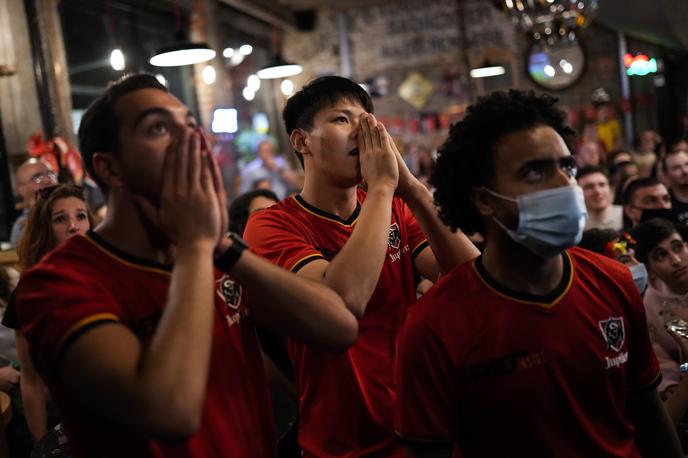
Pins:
<point x="248" y="94"/>
<point x="117" y="59"/>
<point x="287" y="87"/>
<point x="253" y="83"/>
<point x="245" y="50"/>
<point x="209" y="74"/>
<point x="161" y="79"/>
<point x="228" y="52"/>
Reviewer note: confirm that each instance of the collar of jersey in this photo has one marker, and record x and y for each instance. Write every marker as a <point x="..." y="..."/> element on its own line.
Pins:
<point x="545" y="301"/>
<point x="126" y="258"/>
<point x="328" y="216"/>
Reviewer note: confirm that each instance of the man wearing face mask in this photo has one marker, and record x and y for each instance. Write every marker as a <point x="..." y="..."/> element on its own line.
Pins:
<point x="645" y="199"/>
<point x="535" y="348"/>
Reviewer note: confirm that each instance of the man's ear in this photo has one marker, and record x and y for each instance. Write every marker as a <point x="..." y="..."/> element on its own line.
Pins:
<point x="107" y="169"/>
<point x="630" y="212"/>
<point x="300" y="141"/>
<point x="481" y="199"/>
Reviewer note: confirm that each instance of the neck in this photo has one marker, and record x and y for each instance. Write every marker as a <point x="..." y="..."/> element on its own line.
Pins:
<point x="125" y="228"/>
<point x="680" y="192"/>
<point x="599" y="214"/>
<point x="517" y="268"/>
<point x="328" y="197"/>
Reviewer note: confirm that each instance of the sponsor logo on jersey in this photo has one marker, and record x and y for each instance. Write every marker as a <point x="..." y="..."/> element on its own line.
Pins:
<point x="229" y="291"/>
<point x="394" y="240"/>
<point x="613" y="332"/>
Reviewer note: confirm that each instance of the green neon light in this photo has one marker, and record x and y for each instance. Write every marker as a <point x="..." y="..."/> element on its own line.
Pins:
<point x="641" y="68"/>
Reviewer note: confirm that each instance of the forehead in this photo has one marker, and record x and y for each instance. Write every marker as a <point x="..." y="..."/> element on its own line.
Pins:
<point x="655" y="190"/>
<point x="343" y="104"/>
<point x="128" y="107"/>
<point x="29" y="170"/>
<point x="677" y="158"/>
<point x="667" y="241"/>
<point x="66" y="203"/>
<point x="596" y="177"/>
<point x="516" y="148"/>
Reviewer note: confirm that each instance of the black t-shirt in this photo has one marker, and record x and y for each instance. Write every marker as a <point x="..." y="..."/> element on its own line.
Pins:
<point x="680" y="209"/>
<point x="9" y="320"/>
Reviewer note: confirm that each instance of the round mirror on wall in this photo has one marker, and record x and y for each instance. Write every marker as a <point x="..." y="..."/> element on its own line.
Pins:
<point x="556" y="67"/>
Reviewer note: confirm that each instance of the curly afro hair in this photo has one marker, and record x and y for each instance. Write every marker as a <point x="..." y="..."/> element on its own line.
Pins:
<point x="466" y="160"/>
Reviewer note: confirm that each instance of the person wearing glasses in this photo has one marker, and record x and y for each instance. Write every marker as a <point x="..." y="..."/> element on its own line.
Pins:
<point x="31" y="176"/>
<point x="143" y="330"/>
<point x="59" y="212"/>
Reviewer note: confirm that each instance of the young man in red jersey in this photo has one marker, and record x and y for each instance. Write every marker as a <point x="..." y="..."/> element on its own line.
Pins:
<point x="147" y="349"/>
<point x="363" y="244"/>
<point x="535" y="348"/>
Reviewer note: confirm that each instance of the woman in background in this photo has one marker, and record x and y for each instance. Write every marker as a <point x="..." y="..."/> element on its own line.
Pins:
<point x="60" y="212"/>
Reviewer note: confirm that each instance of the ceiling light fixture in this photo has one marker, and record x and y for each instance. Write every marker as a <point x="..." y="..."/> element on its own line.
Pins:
<point x="182" y="51"/>
<point x="279" y="68"/>
<point x="487" y="70"/>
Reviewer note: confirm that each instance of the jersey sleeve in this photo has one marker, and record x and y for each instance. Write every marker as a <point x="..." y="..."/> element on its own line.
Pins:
<point x="55" y="307"/>
<point x="426" y="409"/>
<point x="276" y="238"/>
<point x="417" y="240"/>
<point x="643" y="369"/>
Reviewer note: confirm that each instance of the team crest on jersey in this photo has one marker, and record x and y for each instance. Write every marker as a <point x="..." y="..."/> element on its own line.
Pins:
<point x="613" y="331"/>
<point x="394" y="239"/>
<point x="229" y="291"/>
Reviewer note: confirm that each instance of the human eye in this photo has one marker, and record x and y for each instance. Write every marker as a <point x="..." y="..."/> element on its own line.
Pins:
<point x="81" y="216"/>
<point x="341" y="119"/>
<point x="569" y="166"/>
<point x="659" y="255"/>
<point x="59" y="219"/>
<point x="534" y="173"/>
<point x="158" y="127"/>
<point x="677" y="246"/>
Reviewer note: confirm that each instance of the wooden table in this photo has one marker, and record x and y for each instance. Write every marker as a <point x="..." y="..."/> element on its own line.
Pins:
<point x="9" y="258"/>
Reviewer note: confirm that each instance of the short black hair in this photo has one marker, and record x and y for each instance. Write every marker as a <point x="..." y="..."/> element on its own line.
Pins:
<point x="589" y="170"/>
<point x="632" y="186"/>
<point x="650" y="234"/>
<point x="99" y="125"/>
<point x="321" y="93"/>
<point x="466" y="160"/>
<point x="238" y="210"/>
<point x="597" y="239"/>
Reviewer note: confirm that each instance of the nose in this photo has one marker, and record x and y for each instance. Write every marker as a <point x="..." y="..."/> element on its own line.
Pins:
<point x="675" y="259"/>
<point x="73" y="228"/>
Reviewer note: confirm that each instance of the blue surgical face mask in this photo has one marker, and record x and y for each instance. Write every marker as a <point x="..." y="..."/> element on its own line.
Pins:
<point x="639" y="273"/>
<point x="549" y="221"/>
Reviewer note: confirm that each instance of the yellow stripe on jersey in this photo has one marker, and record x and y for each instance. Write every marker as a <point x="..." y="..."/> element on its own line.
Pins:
<point x="546" y="305"/>
<point x="323" y="216"/>
<point x="124" y="261"/>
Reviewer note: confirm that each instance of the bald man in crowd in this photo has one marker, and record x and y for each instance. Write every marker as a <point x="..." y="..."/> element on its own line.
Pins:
<point x="32" y="175"/>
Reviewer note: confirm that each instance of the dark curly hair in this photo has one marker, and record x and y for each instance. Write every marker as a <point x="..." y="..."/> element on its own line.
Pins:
<point x="466" y="160"/>
<point x="238" y="210"/>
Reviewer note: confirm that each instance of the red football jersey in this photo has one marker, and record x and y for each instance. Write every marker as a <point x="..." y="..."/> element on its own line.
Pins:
<point x="501" y="373"/>
<point x="346" y="399"/>
<point x="87" y="282"/>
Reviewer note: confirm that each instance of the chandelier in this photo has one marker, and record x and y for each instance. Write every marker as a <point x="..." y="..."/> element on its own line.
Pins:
<point x="550" y="20"/>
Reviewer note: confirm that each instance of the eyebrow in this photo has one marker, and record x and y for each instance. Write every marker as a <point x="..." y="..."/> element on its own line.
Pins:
<point x="539" y="162"/>
<point x="158" y="111"/>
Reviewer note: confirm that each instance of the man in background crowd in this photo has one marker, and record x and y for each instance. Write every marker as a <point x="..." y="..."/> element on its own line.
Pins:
<point x="676" y="171"/>
<point x="271" y="168"/>
<point x="598" y="200"/>
<point x="31" y="176"/>
<point x="645" y="198"/>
